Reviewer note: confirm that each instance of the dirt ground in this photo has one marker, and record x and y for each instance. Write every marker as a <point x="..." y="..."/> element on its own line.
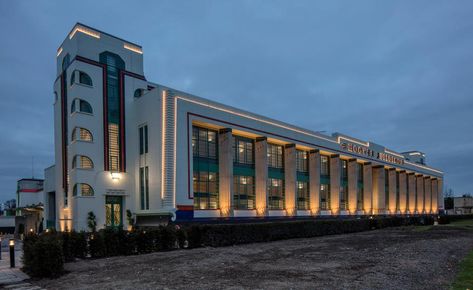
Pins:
<point x="398" y="258"/>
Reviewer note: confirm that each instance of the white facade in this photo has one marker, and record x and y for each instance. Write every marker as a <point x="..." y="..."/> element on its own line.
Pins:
<point x="169" y="116"/>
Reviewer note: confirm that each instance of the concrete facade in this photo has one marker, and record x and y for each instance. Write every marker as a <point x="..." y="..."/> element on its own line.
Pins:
<point x="125" y="143"/>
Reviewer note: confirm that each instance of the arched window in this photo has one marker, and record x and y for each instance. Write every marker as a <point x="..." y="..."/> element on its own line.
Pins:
<point x="83" y="78"/>
<point x="82" y="162"/>
<point x="83" y="188"/>
<point x="82" y="106"/>
<point x="81" y="134"/>
<point x="139" y="93"/>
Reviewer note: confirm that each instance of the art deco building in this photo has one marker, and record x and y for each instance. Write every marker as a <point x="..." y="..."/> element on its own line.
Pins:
<point x="125" y="143"/>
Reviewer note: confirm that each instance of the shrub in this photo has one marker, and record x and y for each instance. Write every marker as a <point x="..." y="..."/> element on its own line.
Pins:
<point x="43" y="256"/>
<point x="97" y="246"/>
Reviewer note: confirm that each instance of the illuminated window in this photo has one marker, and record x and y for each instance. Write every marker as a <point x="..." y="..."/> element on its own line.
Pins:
<point x="275" y="156"/>
<point x="204" y="143"/>
<point x="325" y="196"/>
<point x="243" y="150"/>
<point x="114" y="149"/>
<point x="244" y="192"/>
<point x="302" y="161"/>
<point x="324" y="165"/>
<point x="275" y="193"/>
<point x="83" y="189"/>
<point x="303" y="197"/>
<point x="81" y="134"/>
<point x="343" y="184"/>
<point x="81" y="106"/>
<point x="205" y="190"/>
<point x="82" y="162"/>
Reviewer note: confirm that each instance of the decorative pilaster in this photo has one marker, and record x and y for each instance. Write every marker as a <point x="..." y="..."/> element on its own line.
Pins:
<point x="379" y="203"/>
<point x="428" y="195"/>
<point x="420" y="193"/>
<point x="225" y="171"/>
<point x="335" y="184"/>
<point x="435" y="206"/>
<point x="352" y="185"/>
<point x="368" y="188"/>
<point x="411" y="179"/>
<point x="261" y="175"/>
<point x="402" y="192"/>
<point x="392" y="190"/>
<point x="440" y="193"/>
<point x="290" y="178"/>
<point x="314" y="181"/>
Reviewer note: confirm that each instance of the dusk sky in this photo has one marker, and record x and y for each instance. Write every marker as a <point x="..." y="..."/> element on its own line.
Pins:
<point x="398" y="73"/>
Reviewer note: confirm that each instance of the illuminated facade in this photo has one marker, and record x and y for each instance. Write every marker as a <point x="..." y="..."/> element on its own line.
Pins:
<point x="124" y="143"/>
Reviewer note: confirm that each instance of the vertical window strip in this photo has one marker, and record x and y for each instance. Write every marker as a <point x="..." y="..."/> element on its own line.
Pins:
<point x="244" y="192"/>
<point x="303" y="198"/>
<point x="147" y="187"/>
<point x="275" y="194"/>
<point x="302" y="161"/>
<point x="142" y="188"/>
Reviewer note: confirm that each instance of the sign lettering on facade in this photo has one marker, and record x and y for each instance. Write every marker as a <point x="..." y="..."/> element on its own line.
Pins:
<point x="365" y="151"/>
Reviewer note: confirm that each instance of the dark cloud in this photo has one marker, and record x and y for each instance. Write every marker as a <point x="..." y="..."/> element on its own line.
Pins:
<point x="396" y="73"/>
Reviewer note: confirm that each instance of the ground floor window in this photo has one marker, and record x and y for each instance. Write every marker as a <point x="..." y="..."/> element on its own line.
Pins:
<point x="343" y="197"/>
<point x="205" y="190"/>
<point x="359" y="197"/>
<point x="275" y="193"/>
<point x="144" y="188"/>
<point x="244" y="192"/>
<point x="113" y="211"/>
<point x="324" y="196"/>
<point x="302" y="195"/>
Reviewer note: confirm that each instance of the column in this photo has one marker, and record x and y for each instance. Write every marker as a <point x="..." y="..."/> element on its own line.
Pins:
<point x="225" y="172"/>
<point x="290" y="178"/>
<point x="420" y="193"/>
<point x="440" y="193"/>
<point x="402" y="192"/>
<point x="367" y="188"/>
<point x="435" y="207"/>
<point x="378" y="190"/>
<point x="352" y="185"/>
<point x="411" y="179"/>
<point x="428" y="195"/>
<point x="261" y="175"/>
<point x="335" y="184"/>
<point x="392" y="190"/>
<point x="314" y="181"/>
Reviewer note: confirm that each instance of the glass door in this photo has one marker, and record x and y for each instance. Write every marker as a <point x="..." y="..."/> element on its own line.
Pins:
<point x="113" y="211"/>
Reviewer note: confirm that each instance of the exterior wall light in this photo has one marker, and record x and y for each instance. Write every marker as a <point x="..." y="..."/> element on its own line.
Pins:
<point x="116" y="175"/>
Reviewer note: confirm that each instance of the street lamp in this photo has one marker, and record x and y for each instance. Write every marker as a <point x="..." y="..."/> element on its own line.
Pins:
<point x="12" y="253"/>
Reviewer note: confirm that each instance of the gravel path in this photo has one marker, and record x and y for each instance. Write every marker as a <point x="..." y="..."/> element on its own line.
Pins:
<point x="399" y="258"/>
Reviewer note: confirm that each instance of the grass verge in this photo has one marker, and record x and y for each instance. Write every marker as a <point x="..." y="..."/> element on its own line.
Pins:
<point x="464" y="278"/>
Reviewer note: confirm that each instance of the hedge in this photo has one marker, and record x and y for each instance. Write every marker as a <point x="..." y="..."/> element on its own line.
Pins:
<point x="44" y="255"/>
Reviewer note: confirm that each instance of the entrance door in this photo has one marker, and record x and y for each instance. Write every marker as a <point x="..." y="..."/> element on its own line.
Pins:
<point x="113" y="211"/>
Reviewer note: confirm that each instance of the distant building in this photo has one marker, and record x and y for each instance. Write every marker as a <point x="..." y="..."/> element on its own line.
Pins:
<point x="125" y="143"/>
<point x="463" y="205"/>
<point x="30" y="205"/>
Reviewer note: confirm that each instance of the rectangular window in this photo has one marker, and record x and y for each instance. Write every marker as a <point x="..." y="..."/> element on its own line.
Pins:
<point x="359" y="188"/>
<point x="243" y="150"/>
<point x="275" y="193"/>
<point x="205" y="190"/>
<point x="143" y="139"/>
<point x="397" y="190"/>
<point x="344" y="169"/>
<point x="275" y="156"/>
<point x="324" y="196"/>
<point x="343" y="184"/>
<point x="302" y="195"/>
<point x="244" y="192"/>
<point x="204" y="143"/>
<point x="144" y="188"/>
<point x="302" y="161"/>
<point x="324" y="165"/>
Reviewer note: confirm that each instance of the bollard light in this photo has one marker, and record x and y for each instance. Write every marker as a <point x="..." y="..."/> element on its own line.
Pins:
<point x="12" y="253"/>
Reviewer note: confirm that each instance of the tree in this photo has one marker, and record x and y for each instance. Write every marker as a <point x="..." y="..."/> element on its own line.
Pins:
<point x="92" y="221"/>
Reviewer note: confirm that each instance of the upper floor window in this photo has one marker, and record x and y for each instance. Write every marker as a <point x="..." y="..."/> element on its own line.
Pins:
<point x="143" y="139"/>
<point x="275" y="156"/>
<point x="344" y="169"/>
<point x="82" y="77"/>
<point x="324" y="165"/>
<point x="302" y="161"/>
<point x="83" y="189"/>
<point x="204" y="143"/>
<point x="243" y="150"/>
<point x="138" y="93"/>
<point x="81" y="106"/>
<point x="81" y="134"/>
<point x="82" y="162"/>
